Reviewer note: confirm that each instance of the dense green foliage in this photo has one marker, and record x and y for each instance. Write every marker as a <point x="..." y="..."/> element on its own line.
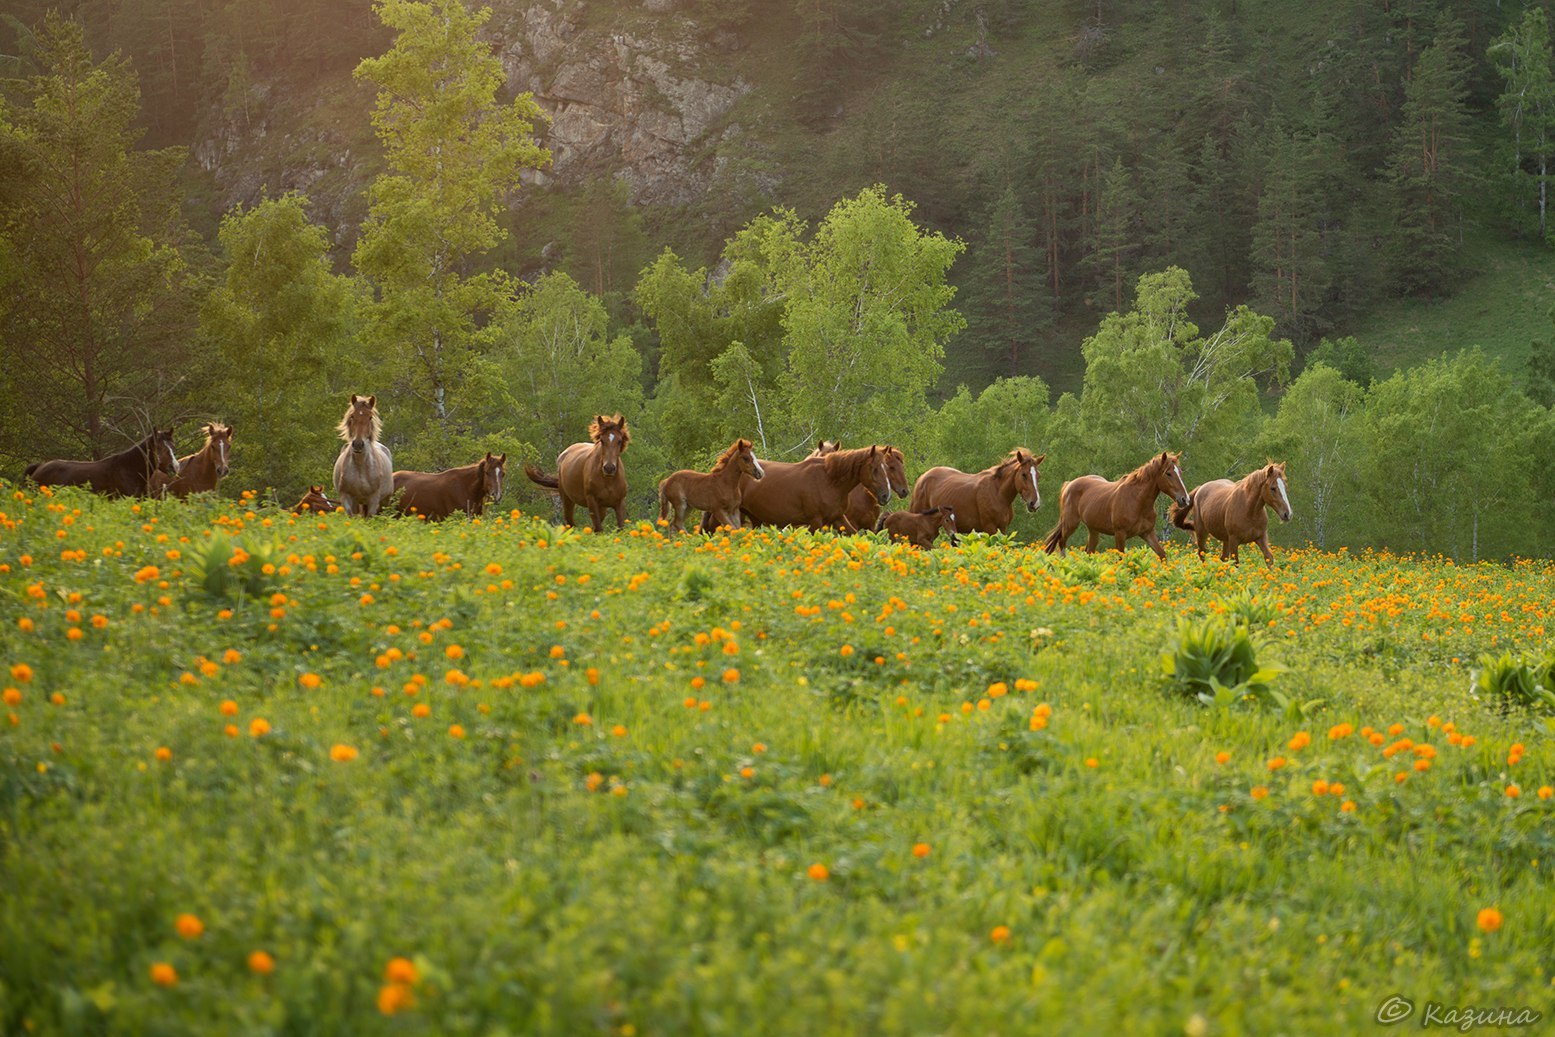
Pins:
<point x="780" y="782"/>
<point x="1266" y="217"/>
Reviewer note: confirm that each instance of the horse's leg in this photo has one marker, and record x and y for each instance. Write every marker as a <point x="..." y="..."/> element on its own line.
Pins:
<point x="567" y="506"/>
<point x="1095" y="539"/>
<point x="620" y="515"/>
<point x="1263" y="545"/>
<point x="597" y="515"/>
<point x="1121" y="540"/>
<point x="1155" y="544"/>
<point x="1231" y="554"/>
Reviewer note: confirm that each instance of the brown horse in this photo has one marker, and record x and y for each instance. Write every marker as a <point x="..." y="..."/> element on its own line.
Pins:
<point x="984" y="501"/>
<point x="717" y="494"/>
<point x="1125" y="508"/>
<point x="436" y="495"/>
<point x="364" y="471"/>
<point x="863" y="507"/>
<point x="125" y="474"/>
<point x="814" y="492"/>
<point x="315" y="501"/>
<point x="1233" y="513"/>
<point x="919" y="528"/>
<point x="591" y="473"/>
<point x="199" y="471"/>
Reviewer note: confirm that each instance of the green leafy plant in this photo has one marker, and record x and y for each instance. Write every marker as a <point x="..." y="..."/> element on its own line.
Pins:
<point x="1508" y="682"/>
<point x="231" y="569"/>
<point x="1215" y="662"/>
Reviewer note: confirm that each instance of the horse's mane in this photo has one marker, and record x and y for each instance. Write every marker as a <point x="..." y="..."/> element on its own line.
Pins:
<point x="839" y="462"/>
<point x="1144" y="471"/>
<point x="344" y="429"/>
<point x="596" y="429"/>
<point x="727" y="457"/>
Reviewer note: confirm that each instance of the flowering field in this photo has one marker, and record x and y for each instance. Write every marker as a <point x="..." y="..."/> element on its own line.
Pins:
<point x="266" y="774"/>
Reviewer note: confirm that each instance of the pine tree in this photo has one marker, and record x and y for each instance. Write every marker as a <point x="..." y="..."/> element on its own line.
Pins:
<point x="1005" y="296"/>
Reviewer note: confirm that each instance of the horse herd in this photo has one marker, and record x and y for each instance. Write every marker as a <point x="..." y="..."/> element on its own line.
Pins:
<point x="829" y="488"/>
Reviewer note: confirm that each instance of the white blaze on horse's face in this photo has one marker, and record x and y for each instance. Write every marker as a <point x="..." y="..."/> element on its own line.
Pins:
<point x="756" y="465"/>
<point x="1036" y="494"/>
<point x="495" y="477"/>
<point x="221" y="450"/>
<point x="885" y="478"/>
<point x="172" y="457"/>
<point x="1279" y="484"/>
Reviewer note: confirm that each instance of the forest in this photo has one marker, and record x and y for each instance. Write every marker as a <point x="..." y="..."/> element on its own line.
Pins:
<point x="1100" y="231"/>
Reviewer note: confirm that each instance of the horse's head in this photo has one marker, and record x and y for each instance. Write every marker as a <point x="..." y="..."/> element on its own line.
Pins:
<point x="494" y="469"/>
<point x="1027" y="477"/>
<point x="159" y="445"/>
<point x="361" y="423"/>
<point x="1274" y="494"/>
<point x="896" y="471"/>
<point x="745" y="457"/>
<point x="314" y="500"/>
<point x="947" y="522"/>
<point x="218" y="439"/>
<point x="1168" y="478"/>
<point x="824" y="447"/>
<point x="612" y="437"/>
<point x="876" y="477"/>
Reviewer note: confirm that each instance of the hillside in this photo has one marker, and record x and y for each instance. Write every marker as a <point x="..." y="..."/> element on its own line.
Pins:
<point x="1131" y="135"/>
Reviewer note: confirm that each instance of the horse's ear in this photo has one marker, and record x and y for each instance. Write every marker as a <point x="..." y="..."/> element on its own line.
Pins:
<point x="503" y="459"/>
<point x="354" y="398"/>
<point x="372" y="401"/>
<point x="1039" y="459"/>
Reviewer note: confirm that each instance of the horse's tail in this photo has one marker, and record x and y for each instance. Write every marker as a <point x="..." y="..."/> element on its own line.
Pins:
<point x="1055" y="539"/>
<point x="664" y="501"/>
<point x="537" y="476"/>
<point x="1178" y="515"/>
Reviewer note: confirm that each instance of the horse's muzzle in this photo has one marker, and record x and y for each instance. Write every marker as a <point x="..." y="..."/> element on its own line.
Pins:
<point x="1033" y="505"/>
<point x="1182" y="502"/>
<point x="221" y="471"/>
<point x="1285" y="516"/>
<point x="609" y="468"/>
<point x="358" y="445"/>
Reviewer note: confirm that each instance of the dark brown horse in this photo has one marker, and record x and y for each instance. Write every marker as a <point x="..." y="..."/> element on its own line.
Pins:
<point x="814" y="492"/>
<point x="591" y="473"/>
<point x="919" y="528"/>
<point x="717" y="493"/>
<point x="315" y="501"/>
<point x="863" y="507"/>
<point x="1125" y="508"/>
<point x="984" y="501"/>
<point x="1233" y="512"/>
<point x="436" y="495"/>
<point x="125" y="474"/>
<point x="199" y="471"/>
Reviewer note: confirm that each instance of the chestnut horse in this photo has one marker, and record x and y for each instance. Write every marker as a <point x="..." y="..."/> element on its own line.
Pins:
<point x="984" y="501"/>
<point x="315" y="501"/>
<point x="1125" y="508"/>
<point x="591" y="473"/>
<point x="814" y="492"/>
<point x="1233" y="512"/>
<point x="201" y="470"/>
<point x="436" y="495"/>
<point x="863" y="507"/>
<point x="919" y="528"/>
<point x="364" y="471"/>
<point x="717" y="494"/>
<point x="126" y="474"/>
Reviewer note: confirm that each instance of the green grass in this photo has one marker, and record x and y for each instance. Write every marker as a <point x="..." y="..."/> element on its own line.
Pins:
<point x="592" y="830"/>
<point x="1503" y="306"/>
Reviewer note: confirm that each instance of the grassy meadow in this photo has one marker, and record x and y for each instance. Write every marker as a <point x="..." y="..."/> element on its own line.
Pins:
<point x="262" y="774"/>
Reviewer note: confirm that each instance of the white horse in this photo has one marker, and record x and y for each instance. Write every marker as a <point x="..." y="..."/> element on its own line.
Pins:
<point x="364" y="471"/>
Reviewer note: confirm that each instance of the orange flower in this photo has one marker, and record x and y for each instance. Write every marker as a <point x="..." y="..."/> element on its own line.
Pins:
<point x="818" y="872"/>
<point x="189" y="926"/>
<point x="583" y="720"/>
<point x="1259" y="792"/>
<point x="164" y="754"/>
<point x="731" y="676"/>
<point x="310" y="680"/>
<point x="456" y="730"/>
<point x="229" y="708"/>
<point x="921" y="850"/>
<point x="401" y="970"/>
<point x="1489" y="919"/>
<point x="260" y="963"/>
<point x="999" y="934"/>
<point x="258" y="727"/>
<point x="342" y="753"/>
<point x="21" y="673"/>
<point x="394" y="998"/>
<point x="1320" y="787"/>
<point x="420" y="710"/>
<point x="454" y="652"/>
<point x="1222" y="757"/>
<point x="11" y="697"/>
<point x="164" y="975"/>
<point x="1512" y="792"/>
